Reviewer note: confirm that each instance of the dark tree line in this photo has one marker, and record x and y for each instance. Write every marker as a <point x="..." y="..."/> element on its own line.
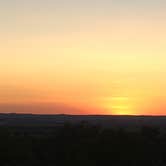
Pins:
<point x="83" y="145"/>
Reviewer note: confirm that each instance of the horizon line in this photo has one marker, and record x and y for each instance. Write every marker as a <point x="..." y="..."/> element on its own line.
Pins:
<point x="42" y="114"/>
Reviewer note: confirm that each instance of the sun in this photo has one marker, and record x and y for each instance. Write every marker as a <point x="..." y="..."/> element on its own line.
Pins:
<point x="120" y="106"/>
<point x="121" y="110"/>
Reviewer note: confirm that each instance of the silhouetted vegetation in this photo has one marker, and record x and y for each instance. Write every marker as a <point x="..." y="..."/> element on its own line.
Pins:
<point x="81" y="145"/>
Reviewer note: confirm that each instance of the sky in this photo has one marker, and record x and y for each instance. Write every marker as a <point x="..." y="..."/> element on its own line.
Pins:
<point x="83" y="57"/>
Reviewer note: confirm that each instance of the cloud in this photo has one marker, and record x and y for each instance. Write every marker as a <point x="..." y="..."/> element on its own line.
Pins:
<point x="38" y="108"/>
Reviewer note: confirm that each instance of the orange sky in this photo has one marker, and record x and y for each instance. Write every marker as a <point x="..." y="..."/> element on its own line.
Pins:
<point x="90" y="58"/>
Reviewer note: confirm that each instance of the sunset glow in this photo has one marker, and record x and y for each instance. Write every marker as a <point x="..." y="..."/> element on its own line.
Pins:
<point x="83" y="57"/>
<point x="120" y="106"/>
